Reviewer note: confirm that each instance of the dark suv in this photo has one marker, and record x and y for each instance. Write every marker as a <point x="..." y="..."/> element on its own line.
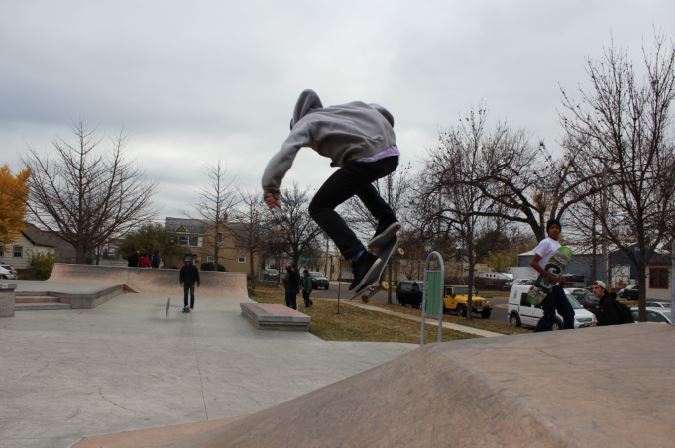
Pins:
<point x="318" y="280"/>
<point x="409" y="293"/>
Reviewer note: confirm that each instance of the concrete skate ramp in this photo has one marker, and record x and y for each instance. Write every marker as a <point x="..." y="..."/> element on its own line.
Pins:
<point x="228" y="285"/>
<point x="596" y="387"/>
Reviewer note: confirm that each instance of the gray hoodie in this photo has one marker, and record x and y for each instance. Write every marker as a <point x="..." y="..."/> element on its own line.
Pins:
<point x="345" y="132"/>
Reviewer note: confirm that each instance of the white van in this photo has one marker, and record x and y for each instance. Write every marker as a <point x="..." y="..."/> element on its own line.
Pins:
<point x="522" y="313"/>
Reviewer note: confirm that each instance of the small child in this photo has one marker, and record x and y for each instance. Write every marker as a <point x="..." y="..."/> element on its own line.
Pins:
<point x="359" y="138"/>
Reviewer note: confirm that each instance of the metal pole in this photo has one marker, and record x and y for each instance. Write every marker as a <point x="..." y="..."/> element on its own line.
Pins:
<point x="339" y="283"/>
<point x="672" y="283"/>
<point x="605" y="246"/>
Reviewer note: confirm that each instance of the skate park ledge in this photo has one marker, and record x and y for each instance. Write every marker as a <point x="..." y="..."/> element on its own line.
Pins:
<point x="79" y="300"/>
<point x="274" y="316"/>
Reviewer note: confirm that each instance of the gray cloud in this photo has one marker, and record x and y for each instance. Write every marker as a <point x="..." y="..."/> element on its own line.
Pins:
<point x="192" y="83"/>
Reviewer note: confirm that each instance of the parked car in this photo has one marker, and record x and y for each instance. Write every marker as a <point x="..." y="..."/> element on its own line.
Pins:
<point x="630" y="292"/>
<point x="654" y="314"/>
<point x="271" y="274"/>
<point x="586" y="299"/>
<point x="657" y="304"/>
<point x="456" y="298"/>
<point x="409" y="293"/>
<point x="6" y="274"/>
<point x="318" y="280"/>
<point x="13" y="275"/>
<point x="521" y="313"/>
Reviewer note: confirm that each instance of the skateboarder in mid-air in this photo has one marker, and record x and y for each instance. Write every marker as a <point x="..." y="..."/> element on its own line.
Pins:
<point x="556" y="299"/>
<point x="359" y="139"/>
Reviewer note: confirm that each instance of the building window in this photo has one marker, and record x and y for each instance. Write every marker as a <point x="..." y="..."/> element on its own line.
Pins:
<point x="194" y="241"/>
<point x="2" y="251"/>
<point x="183" y="240"/>
<point x="658" y="278"/>
<point x="18" y="251"/>
<point x="221" y="237"/>
<point x="241" y="259"/>
<point x="210" y="259"/>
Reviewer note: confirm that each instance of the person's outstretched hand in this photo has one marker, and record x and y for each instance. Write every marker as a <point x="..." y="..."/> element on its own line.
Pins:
<point x="272" y="201"/>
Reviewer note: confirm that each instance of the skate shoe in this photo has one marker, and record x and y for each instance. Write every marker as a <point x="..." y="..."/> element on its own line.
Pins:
<point x="362" y="268"/>
<point x="386" y="230"/>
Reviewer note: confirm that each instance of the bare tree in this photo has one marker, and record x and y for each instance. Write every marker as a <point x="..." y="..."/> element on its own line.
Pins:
<point x="452" y="168"/>
<point x="291" y="227"/>
<point x="216" y="201"/>
<point x="623" y="129"/>
<point x="85" y="195"/>
<point x="247" y="226"/>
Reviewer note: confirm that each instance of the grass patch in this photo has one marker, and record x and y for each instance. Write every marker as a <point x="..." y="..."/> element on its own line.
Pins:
<point x="356" y="324"/>
<point x="476" y="322"/>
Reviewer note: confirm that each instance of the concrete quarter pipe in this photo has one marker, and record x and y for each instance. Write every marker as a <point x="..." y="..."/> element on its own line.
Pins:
<point x="230" y="285"/>
<point x="597" y="387"/>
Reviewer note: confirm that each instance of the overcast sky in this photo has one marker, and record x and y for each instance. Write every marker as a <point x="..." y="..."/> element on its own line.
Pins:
<point x="195" y="81"/>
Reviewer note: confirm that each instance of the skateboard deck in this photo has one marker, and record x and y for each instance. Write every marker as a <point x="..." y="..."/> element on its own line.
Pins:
<point x="556" y="264"/>
<point x="372" y="285"/>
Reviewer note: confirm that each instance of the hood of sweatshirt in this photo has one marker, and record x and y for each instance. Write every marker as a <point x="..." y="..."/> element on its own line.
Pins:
<point x="307" y="102"/>
<point x="384" y="112"/>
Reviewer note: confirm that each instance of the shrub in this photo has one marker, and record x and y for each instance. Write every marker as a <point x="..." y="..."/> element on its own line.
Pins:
<point x="212" y="267"/>
<point x="41" y="265"/>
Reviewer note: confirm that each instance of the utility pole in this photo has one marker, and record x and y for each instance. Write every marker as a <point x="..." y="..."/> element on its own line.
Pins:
<point x="603" y="220"/>
<point x="672" y="282"/>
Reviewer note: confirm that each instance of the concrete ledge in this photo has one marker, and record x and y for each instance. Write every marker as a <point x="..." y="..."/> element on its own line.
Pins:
<point x="86" y="300"/>
<point x="7" y="299"/>
<point x="273" y="316"/>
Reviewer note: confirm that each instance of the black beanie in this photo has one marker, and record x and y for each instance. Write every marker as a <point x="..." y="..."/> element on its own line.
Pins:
<point x="551" y="222"/>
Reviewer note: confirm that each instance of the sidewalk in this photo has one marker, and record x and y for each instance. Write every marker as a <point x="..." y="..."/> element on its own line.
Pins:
<point x="430" y="319"/>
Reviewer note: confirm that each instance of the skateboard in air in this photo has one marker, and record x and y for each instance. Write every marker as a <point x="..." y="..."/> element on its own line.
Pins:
<point x="373" y="285"/>
<point x="556" y="264"/>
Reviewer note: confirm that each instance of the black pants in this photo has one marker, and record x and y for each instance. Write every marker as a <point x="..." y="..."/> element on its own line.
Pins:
<point x="305" y="296"/>
<point x="555" y="300"/>
<point x="290" y="295"/>
<point x="354" y="178"/>
<point x="191" y="289"/>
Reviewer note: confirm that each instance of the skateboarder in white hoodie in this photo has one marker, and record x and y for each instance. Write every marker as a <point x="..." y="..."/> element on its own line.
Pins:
<point x="359" y="139"/>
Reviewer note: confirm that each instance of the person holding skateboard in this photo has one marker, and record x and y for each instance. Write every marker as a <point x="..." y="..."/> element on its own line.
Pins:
<point x="556" y="299"/>
<point x="187" y="277"/>
<point x="359" y="139"/>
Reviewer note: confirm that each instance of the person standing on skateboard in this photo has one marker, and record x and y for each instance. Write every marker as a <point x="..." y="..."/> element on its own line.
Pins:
<point x="556" y="299"/>
<point x="359" y="139"/>
<point x="187" y="277"/>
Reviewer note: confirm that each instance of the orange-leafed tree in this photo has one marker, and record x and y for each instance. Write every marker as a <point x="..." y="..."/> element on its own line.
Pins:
<point x="13" y="203"/>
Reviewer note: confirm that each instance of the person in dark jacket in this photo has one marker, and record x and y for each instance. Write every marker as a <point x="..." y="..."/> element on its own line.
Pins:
<point x="306" y="288"/>
<point x="291" y="284"/>
<point x="610" y="312"/>
<point x="133" y="259"/>
<point x="188" y="276"/>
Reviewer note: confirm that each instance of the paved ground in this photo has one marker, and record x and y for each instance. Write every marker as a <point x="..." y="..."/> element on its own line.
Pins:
<point x="122" y="366"/>
<point x="596" y="387"/>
